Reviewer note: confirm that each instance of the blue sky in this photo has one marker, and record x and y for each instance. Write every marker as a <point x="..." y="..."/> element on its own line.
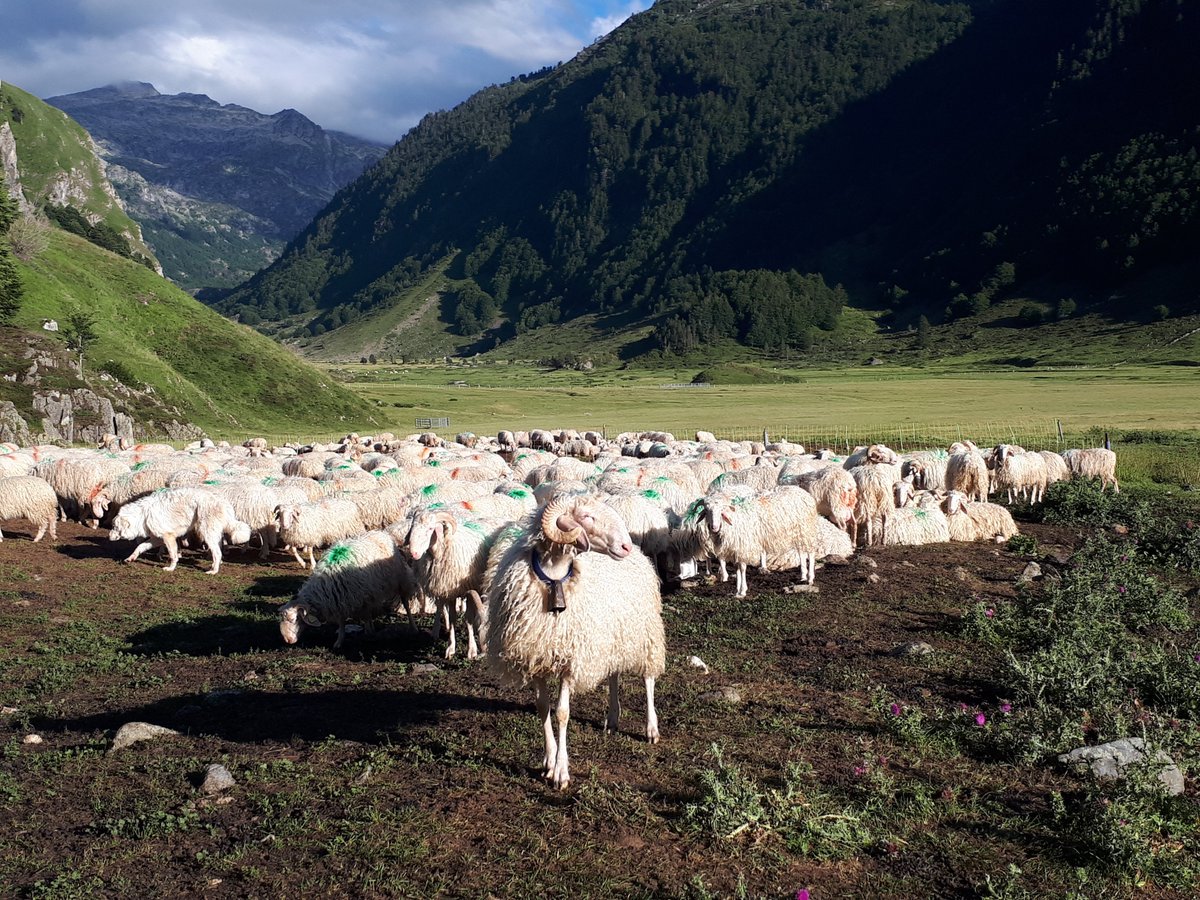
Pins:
<point x="369" y="67"/>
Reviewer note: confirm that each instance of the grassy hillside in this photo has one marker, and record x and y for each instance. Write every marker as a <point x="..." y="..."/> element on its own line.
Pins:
<point x="57" y="165"/>
<point x="224" y="377"/>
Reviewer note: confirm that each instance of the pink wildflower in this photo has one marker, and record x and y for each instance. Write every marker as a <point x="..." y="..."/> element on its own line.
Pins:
<point x="980" y="719"/>
<point x="1005" y="707"/>
<point x="895" y="709"/>
<point x="989" y="612"/>
<point x="802" y="894"/>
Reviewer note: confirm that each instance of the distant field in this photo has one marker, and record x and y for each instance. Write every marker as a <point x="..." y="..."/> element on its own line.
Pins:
<point x="909" y="404"/>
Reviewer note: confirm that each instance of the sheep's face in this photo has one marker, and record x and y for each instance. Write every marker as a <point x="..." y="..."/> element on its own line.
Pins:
<point x="100" y="505"/>
<point x="718" y="513"/>
<point x="902" y="492"/>
<point x="600" y="528"/>
<point x="292" y="619"/>
<point x="953" y="503"/>
<point x="287" y="516"/>
<point x="420" y="537"/>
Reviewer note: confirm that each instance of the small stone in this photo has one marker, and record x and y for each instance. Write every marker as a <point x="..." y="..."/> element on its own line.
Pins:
<point x="837" y="561"/>
<point x="364" y="776"/>
<point x="802" y="589"/>
<point x="868" y="562"/>
<point x="33" y="739"/>
<point x="709" y="580"/>
<point x="223" y="801"/>
<point x="1109" y="761"/>
<point x="728" y="695"/>
<point x="1061" y="556"/>
<point x="1120" y="529"/>
<point x="217" y="778"/>
<point x="424" y="669"/>
<point x="250" y="676"/>
<point x="873" y="578"/>
<point x="907" y="564"/>
<point x="213" y="882"/>
<point x="1030" y="572"/>
<point x="223" y="695"/>
<point x="913" y="648"/>
<point x="60" y="620"/>
<point x="697" y="663"/>
<point x="8" y="710"/>
<point x="133" y="732"/>
<point x="961" y="574"/>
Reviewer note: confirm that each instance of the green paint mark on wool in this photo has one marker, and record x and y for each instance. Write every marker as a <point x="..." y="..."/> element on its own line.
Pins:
<point x="474" y="526"/>
<point x="270" y="481"/>
<point x="652" y="495"/>
<point x="694" y="512"/>
<point x="429" y="490"/>
<point x="939" y="453"/>
<point x="436" y="506"/>
<point x="378" y="472"/>
<point x="338" y="553"/>
<point x="520" y="494"/>
<point x="212" y="481"/>
<point x="920" y="514"/>
<point x="718" y="482"/>
<point x="139" y="466"/>
<point x="433" y="462"/>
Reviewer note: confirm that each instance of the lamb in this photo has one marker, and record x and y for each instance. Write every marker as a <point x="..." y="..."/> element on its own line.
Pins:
<point x="875" y="497"/>
<point x="967" y="472"/>
<point x="359" y="579"/>
<point x="30" y="497"/>
<point x="304" y="526"/>
<point x="973" y="521"/>
<point x="450" y="557"/>
<point x="1020" y="472"/>
<point x="1094" y="462"/>
<point x="573" y="599"/>
<point x="164" y="517"/>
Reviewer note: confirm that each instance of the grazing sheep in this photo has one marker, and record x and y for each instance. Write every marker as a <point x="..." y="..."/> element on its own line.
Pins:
<point x="1094" y="462"/>
<point x="304" y="526"/>
<point x="974" y="521"/>
<point x="967" y="472"/>
<point x="306" y="465"/>
<point x="876" y="498"/>
<point x="573" y="599"/>
<point x="255" y="503"/>
<point x="166" y="516"/>
<point x="29" y="497"/>
<point x="360" y="579"/>
<point x="77" y="479"/>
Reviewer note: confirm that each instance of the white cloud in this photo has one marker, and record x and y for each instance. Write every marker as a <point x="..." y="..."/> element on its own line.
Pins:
<point x="371" y="67"/>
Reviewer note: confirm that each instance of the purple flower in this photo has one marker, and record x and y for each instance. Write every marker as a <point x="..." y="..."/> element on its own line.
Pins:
<point x="895" y="709"/>
<point x="1006" y="708"/>
<point x="980" y="719"/>
<point x="989" y="612"/>
<point x="1196" y="658"/>
<point x="802" y="894"/>
<point x="962" y="707"/>
<point x="860" y="771"/>
<point x="1121" y="589"/>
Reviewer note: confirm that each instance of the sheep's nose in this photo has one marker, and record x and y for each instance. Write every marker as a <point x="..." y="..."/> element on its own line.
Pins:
<point x="626" y="548"/>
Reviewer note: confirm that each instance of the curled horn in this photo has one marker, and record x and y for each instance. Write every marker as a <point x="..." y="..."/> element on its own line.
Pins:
<point x="550" y="528"/>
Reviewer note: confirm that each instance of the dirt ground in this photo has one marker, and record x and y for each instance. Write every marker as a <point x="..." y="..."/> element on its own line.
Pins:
<point x="382" y="769"/>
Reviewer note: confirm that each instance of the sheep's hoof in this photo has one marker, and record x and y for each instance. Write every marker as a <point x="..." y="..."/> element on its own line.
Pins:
<point x="211" y="571"/>
<point x="449" y="653"/>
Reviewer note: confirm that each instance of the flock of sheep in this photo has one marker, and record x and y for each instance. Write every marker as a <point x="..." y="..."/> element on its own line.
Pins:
<point x="551" y="545"/>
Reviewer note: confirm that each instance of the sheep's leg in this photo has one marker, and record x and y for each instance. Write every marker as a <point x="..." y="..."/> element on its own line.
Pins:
<point x="741" y="585"/>
<point x="762" y="563"/>
<point x="172" y="552"/>
<point x="54" y="529"/>
<point x="472" y="646"/>
<point x="723" y="570"/>
<point x="614" y="705"/>
<point x="687" y="569"/>
<point x="812" y="567"/>
<point x="299" y="558"/>
<point x="312" y="563"/>
<point x="341" y="636"/>
<point x="651" y="715"/>
<point x="214" y="547"/>
<point x="139" y="550"/>
<point x="41" y="531"/>
<point x="448" y="618"/>
<point x="562" y="773"/>
<point x="543" y="710"/>
<point x="269" y="536"/>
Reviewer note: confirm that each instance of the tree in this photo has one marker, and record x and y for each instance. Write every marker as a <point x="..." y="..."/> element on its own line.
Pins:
<point x="1064" y="309"/>
<point x="923" y="333"/>
<point x="80" y="333"/>
<point x="10" y="281"/>
<point x="1162" y="312"/>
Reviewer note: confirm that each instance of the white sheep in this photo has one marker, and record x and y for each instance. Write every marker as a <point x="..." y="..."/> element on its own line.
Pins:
<point x="450" y="557"/>
<point x="360" y="579"/>
<point x="967" y="471"/>
<point x="1094" y="462"/>
<point x="1056" y="467"/>
<point x="78" y="479"/>
<point x="836" y="493"/>
<point x="573" y="599"/>
<point x="876" y="498"/>
<point x="166" y="516"/>
<point x="974" y="521"/>
<point x="928" y="468"/>
<point x="29" y="497"/>
<point x="1020" y="473"/>
<point x="305" y="526"/>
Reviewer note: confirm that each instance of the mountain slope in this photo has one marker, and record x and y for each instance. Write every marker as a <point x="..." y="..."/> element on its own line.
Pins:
<point x="934" y="155"/>
<point x="219" y="188"/>
<point x="184" y="359"/>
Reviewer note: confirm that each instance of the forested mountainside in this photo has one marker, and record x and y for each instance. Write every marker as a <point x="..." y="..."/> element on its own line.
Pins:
<point x="218" y="188"/>
<point x="724" y="168"/>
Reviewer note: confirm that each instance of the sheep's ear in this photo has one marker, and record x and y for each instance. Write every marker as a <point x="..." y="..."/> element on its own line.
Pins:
<point x="307" y="615"/>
